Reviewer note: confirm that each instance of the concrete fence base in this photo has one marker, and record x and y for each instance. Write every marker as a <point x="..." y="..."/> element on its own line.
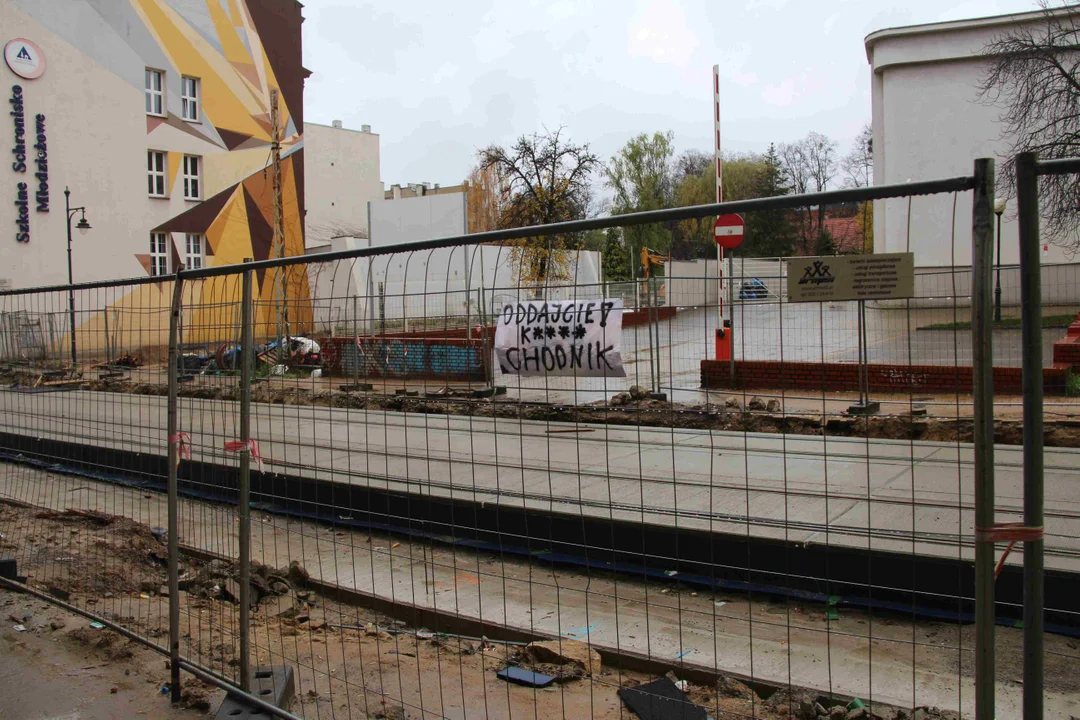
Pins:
<point x="884" y="378"/>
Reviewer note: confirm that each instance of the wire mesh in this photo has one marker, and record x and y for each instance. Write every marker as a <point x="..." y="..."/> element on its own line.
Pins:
<point x="421" y="518"/>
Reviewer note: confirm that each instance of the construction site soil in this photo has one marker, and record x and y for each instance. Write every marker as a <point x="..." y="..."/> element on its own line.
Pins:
<point x="729" y="415"/>
<point x="349" y="660"/>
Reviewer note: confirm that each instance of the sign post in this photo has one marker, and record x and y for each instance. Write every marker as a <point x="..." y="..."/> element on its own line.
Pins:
<point x="728" y="232"/>
<point x="885" y="276"/>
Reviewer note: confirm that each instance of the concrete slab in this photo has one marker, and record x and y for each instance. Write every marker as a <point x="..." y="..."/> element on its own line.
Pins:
<point x="837" y="491"/>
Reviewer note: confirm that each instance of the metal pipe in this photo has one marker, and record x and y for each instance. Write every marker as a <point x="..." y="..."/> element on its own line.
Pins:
<point x="982" y="263"/>
<point x="731" y="312"/>
<point x="1060" y="166"/>
<point x="108" y="346"/>
<point x="197" y="670"/>
<point x="781" y="202"/>
<point x="1027" y="200"/>
<point x="174" y="487"/>
<point x="71" y="278"/>
<point x="997" y="273"/>
<point x="214" y="679"/>
<point x="19" y="587"/>
<point x="247" y="358"/>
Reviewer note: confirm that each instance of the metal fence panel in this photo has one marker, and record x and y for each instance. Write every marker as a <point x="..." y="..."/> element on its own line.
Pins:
<point x="420" y="517"/>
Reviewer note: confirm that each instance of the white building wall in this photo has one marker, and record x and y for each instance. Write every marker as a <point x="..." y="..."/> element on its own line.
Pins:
<point x="88" y="134"/>
<point x="929" y="123"/>
<point x="440" y="286"/>
<point x="341" y="177"/>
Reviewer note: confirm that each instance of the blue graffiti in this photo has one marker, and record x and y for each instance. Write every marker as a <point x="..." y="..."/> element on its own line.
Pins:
<point x="394" y="358"/>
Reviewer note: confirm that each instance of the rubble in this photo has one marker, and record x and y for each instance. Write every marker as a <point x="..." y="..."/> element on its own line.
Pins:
<point x="730" y="687"/>
<point x="563" y="652"/>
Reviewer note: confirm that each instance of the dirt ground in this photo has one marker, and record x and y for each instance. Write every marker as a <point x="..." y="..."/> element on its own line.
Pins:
<point x="350" y="661"/>
<point x="943" y="418"/>
<point x="60" y="668"/>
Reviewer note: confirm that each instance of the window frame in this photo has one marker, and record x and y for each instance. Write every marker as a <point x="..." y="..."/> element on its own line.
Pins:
<point x="150" y="93"/>
<point x="196" y="260"/>
<point x="159" y="256"/>
<point x="157" y="177"/>
<point x="192" y="179"/>
<point x="190" y="102"/>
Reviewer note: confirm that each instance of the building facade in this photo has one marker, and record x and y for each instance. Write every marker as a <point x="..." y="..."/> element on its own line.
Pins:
<point x="156" y="115"/>
<point x="343" y="178"/>
<point x="930" y="122"/>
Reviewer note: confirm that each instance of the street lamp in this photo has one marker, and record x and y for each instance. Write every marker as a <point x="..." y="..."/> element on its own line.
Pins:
<point x="82" y="226"/>
<point x="999" y="208"/>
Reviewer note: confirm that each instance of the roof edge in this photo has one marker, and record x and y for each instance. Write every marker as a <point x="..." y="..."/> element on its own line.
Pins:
<point x="954" y="25"/>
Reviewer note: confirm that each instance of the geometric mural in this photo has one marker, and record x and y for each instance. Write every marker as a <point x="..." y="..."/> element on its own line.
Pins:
<point x="240" y="50"/>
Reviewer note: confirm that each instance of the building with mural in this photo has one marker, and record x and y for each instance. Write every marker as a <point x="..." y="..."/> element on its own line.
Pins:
<point x="155" y="114"/>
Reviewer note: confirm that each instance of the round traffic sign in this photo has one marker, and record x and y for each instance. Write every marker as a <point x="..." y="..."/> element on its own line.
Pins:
<point x="729" y="230"/>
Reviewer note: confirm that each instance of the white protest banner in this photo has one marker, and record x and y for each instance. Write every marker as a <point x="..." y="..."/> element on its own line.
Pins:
<point x="575" y="337"/>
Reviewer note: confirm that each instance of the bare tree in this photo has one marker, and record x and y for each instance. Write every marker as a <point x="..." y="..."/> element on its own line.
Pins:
<point x="1033" y="74"/>
<point x="821" y="159"/>
<point x="318" y="233"/>
<point x="810" y="165"/>
<point x="545" y="179"/>
<point x="858" y="164"/>
<point x="692" y="163"/>
<point x="796" y="162"/>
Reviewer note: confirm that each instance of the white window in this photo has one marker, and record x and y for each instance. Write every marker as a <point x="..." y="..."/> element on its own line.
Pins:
<point x="155" y="92"/>
<point x="159" y="254"/>
<point x="155" y="173"/>
<point x="194" y="255"/>
<point x="192" y="177"/>
<point x="189" y="94"/>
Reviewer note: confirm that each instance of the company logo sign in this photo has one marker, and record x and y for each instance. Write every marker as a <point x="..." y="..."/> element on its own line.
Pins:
<point x="816" y="273"/>
<point x="24" y="58"/>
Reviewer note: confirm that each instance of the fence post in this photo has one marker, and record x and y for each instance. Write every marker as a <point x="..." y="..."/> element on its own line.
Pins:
<point x="247" y="358"/>
<point x="173" y="511"/>
<point x="1027" y="204"/>
<point x="982" y="308"/>
<point x="731" y="312"/>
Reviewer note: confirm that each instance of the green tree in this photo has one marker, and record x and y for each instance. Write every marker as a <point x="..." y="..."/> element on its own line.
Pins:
<point x="641" y="176"/>
<point x="616" y="260"/>
<point x="742" y="176"/>
<point x="769" y="233"/>
<point x="694" y="238"/>
<point x="594" y="240"/>
<point x="824" y="243"/>
<point x="696" y="185"/>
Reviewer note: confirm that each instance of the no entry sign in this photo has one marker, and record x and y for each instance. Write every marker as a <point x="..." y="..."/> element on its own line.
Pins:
<point x="729" y="231"/>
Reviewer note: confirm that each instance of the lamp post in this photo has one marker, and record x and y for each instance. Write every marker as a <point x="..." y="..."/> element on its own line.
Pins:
<point x="999" y="208"/>
<point x="82" y="227"/>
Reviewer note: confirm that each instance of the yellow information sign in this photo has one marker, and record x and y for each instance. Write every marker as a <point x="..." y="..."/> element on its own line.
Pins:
<point x="887" y="276"/>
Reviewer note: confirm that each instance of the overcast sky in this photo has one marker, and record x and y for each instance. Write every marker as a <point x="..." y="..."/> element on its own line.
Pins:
<point x="439" y="80"/>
